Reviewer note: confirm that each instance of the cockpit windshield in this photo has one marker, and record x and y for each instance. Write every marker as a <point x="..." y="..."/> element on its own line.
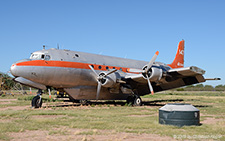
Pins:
<point x="39" y="56"/>
<point x="35" y="56"/>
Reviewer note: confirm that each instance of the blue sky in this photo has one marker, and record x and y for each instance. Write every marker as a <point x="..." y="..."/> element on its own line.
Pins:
<point x="133" y="29"/>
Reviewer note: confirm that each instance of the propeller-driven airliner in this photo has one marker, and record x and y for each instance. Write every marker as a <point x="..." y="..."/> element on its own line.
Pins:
<point x="85" y="76"/>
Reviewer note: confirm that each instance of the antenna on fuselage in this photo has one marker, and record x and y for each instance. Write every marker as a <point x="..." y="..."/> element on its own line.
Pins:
<point x="57" y="45"/>
<point x="43" y="47"/>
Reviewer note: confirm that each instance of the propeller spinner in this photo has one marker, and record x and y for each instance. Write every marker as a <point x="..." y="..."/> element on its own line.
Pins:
<point x="101" y="78"/>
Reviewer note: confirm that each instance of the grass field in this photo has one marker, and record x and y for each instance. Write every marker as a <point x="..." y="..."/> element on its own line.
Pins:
<point x="58" y="120"/>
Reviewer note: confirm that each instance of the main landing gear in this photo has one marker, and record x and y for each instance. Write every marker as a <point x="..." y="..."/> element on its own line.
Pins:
<point x="134" y="100"/>
<point x="37" y="100"/>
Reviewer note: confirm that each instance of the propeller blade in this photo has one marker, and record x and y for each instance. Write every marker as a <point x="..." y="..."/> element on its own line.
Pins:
<point x="98" y="90"/>
<point x="93" y="70"/>
<point x="49" y="92"/>
<point x="151" y="61"/>
<point x="150" y="85"/>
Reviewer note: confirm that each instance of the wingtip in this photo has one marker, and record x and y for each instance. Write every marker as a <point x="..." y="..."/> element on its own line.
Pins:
<point x="157" y="53"/>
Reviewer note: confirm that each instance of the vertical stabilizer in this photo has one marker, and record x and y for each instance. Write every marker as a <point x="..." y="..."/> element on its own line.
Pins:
<point x="178" y="62"/>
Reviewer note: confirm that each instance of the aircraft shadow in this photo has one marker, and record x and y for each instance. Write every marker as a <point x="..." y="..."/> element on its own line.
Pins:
<point x="160" y="102"/>
<point x="157" y="103"/>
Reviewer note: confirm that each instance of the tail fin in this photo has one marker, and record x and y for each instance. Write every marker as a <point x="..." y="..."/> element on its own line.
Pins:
<point x="178" y="62"/>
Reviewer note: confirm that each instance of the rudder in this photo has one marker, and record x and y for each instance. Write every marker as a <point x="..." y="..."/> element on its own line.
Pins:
<point x="178" y="62"/>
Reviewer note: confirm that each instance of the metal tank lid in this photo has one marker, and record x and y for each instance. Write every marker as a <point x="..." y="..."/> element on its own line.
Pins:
<point x="178" y="107"/>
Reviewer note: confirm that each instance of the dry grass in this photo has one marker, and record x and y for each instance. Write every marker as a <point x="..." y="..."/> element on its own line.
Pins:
<point x="110" y="120"/>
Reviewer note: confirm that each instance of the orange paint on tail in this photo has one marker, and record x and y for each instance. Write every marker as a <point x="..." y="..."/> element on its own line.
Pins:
<point x="178" y="62"/>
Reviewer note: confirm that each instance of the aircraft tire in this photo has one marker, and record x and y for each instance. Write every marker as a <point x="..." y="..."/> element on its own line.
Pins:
<point x="84" y="102"/>
<point x="36" y="103"/>
<point x="130" y="100"/>
<point x="137" y="101"/>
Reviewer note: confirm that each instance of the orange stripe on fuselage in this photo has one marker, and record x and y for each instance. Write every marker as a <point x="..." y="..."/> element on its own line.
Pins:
<point x="67" y="64"/>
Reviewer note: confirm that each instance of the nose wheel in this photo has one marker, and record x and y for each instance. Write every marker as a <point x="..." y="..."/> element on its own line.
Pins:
<point x="37" y="100"/>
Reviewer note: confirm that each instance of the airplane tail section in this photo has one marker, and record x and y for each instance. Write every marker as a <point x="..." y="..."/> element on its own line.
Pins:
<point x="178" y="62"/>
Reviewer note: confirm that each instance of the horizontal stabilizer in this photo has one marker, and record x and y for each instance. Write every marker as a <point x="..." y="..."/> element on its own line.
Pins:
<point x="213" y="79"/>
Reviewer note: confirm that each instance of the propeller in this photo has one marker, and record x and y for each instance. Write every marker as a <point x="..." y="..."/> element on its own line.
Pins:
<point x="149" y="65"/>
<point x="49" y="92"/>
<point x="101" y="78"/>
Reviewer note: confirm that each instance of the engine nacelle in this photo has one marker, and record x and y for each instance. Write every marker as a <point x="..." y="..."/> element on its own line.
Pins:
<point x="154" y="73"/>
<point x="110" y="80"/>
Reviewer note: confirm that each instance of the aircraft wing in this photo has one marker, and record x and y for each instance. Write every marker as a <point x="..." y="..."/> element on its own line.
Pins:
<point x="173" y="78"/>
<point x="182" y="77"/>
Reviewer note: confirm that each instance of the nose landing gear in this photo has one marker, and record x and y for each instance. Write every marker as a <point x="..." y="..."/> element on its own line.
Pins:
<point x="37" y="100"/>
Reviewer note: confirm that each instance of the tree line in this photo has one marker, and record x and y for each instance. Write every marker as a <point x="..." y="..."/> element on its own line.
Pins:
<point x="201" y="87"/>
<point x="7" y="83"/>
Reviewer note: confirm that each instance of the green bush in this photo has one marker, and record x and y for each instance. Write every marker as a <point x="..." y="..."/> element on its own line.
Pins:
<point x="3" y="95"/>
<point x="180" y="89"/>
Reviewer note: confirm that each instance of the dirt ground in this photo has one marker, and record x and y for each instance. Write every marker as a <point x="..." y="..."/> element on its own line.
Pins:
<point x="74" y="134"/>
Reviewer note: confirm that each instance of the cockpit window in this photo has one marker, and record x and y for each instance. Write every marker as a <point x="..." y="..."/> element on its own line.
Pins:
<point x="35" y="56"/>
<point x="42" y="56"/>
<point x="38" y="56"/>
<point x="47" y="57"/>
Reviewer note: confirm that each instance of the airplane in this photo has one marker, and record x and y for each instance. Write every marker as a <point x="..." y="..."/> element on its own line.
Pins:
<point x="86" y="76"/>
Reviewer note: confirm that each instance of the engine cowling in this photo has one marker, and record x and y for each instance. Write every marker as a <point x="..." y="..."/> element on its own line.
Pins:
<point x="154" y="74"/>
<point x="109" y="80"/>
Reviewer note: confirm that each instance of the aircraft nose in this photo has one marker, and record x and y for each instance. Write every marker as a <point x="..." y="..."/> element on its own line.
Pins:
<point x="16" y="69"/>
<point x="13" y="69"/>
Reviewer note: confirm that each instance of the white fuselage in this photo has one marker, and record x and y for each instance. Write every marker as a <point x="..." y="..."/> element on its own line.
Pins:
<point x="64" y="69"/>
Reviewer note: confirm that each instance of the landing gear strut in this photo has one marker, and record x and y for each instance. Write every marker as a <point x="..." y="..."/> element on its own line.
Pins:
<point x="37" y="100"/>
<point x="134" y="100"/>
